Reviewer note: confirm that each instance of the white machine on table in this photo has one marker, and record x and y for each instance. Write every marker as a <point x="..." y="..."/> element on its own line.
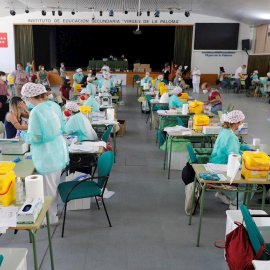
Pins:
<point x="13" y="147"/>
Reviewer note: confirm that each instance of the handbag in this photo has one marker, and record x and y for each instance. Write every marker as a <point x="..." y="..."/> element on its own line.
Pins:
<point x="239" y="251"/>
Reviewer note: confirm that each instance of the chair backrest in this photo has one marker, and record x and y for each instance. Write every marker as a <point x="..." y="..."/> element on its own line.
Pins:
<point x="148" y="98"/>
<point x="105" y="163"/>
<point x="106" y="134"/>
<point x="165" y="81"/>
<point x="254" y="234"/>
<point x="192" y="154"/>
<point x="230" y="107"/>
<point x="220" y="113"/>
<point x="136" y="78"/>
<point x="180" y="122"/>
<point x="2" y="128"/>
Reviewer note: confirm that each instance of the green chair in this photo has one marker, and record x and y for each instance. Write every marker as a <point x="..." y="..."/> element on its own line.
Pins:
<point x="199" y="155"/>
<point x="86" y="188"/>
<point x="254" y="234"/>
<point x="180" y="122"/>
<point x="165" y="81"/>
<point x="148" y="98"/>
<point x="135" y="79"/>
<point x="230" y="107"/>
<point x="106" y="134"/>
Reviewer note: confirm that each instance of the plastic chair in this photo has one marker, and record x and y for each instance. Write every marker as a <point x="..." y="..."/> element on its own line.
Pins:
<point x="86" y="188"/>
<point x="254" y="234"/>
<point x="180" y="122"/>
<point x="199" y="155"/>
<point x="148" y="98"/>
<point x="192" y="155"/>
<point x="2" y="129"/>
<point x="106" y="134"/>
<point x="230" y="107"/>
<point x="135" y="79"/>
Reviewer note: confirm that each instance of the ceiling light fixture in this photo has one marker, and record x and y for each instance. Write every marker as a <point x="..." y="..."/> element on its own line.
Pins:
<point x="60" y="13"/>
<point x="148" y="13"/>
<point x="187" y="13"/>
<point x="111" y="13"/>
<point x="72" y="12"/>
<point x="12" y="12"/>
<point x="100" y="13"/>
<point x="43" y="12"/>
<point x="157" y="13"/>
<point x="27" y="10"/>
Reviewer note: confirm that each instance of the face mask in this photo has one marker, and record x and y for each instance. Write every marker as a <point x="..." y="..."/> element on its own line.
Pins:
<point x="67" y="77"/>
<point x="82" y="97"/>
<point x="62" y="65"/>
<point x="67" y="113"/>
<point x="180" y="68"/>
<point x="29" y="105"/>
<point x="42" y="68"/>
<point x="80" y="72"/>
<point x="19" y="68"/>
<point x="50" y="96"/>
<point x="4" y="78"/>
<point x="175" y="66"/>
<point x="146" y="76"/>
<point x="205" y="91"/>
<point x="240" y="126"/>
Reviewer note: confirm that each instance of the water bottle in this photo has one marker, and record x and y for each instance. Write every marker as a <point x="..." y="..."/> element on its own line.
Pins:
<point x="190" y="123"/>
<point x="19" y="191"/>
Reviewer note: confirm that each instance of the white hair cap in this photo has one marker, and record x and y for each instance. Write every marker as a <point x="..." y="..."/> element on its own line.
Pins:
<point x="86" y="91"/>
<point x="256" y="71"/>
<point x="177" y="90"/>
<point x="147" y="73"/>
<point x="78" y="70"/>
<point x="71" y="105"/>
<point x="160" y="77"/>
<point x="268" y="74"/>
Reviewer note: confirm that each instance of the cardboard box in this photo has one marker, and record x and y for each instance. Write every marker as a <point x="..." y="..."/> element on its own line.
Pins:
<point x="122" y="129"/>
<point x="145" y="65"/>
<point x="148" y="69"/>
<point x="141" y="69"/>
<point x="137" y="65"/>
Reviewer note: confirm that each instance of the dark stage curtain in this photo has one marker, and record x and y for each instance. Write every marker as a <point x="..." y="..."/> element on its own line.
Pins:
<point x="183" y="45"/>
<point x="24" y="44"/>
<point x="260" y="63"/>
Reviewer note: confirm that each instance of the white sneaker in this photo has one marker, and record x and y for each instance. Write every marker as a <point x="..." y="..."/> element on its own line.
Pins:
<point x="232" y="207"/>
<point x="223" y="198"/>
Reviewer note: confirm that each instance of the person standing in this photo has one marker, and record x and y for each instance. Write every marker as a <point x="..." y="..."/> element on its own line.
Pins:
<point x="3" y="96"/>
<point x="28" y="68"/>
<point x="65" y="91"/>
<point x="213" y="98"/>
<point x="20" y="77"/>
<point x="196" y="77"/>
<point x="167" y="71"/>
<point x="238" y="76"/>
<point x="49" y="149"/>
<point x="63" y="74"/>
<point x="105" y="69"/>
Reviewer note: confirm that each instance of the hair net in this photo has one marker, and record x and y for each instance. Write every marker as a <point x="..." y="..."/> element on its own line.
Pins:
<point x="33" y="90"/>
<point x="147" y="73"/>
<point x="90" y="79"/>
<point x="71" y="105"/>
<point x="78" y="70"/>
<point x="160" y="77"/>
<point x="256" y="71"/>
<point x="234" y="117"/>
<point x="85" y="91"/>
<point x="268" y="74"/>
<point x="177" y="90"/>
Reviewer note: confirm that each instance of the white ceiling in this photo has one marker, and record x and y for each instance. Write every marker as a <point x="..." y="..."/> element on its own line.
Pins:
<point x="250" y="12"/>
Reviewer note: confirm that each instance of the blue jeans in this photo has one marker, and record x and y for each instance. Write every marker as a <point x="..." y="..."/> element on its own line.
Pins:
<point x="216" y="108"/>
<point x="237" y="86"/>
<point x="224" y="84"/>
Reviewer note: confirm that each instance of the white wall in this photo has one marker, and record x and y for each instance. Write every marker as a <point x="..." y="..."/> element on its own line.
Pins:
<point x="206" y="64"/>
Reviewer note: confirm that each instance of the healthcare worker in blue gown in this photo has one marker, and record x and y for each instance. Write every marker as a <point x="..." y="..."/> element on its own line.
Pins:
<point x="147" y="79"/>
<point x="174" y="100"/>
<point x="89" y="100"/>
<point x="159" y="80"/>
<point x="78" y="125"/>
<point x="49" y="149"/>
<point x="227" y="142"/>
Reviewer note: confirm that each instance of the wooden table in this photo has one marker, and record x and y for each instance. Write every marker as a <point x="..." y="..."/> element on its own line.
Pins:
<point x="33" y="230"/>
<point x="23" y="168"/>
<point x="199" y="168"/>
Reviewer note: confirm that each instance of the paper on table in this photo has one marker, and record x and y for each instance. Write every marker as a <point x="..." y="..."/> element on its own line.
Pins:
<point x="215" y="168"/>
<point x="105" y="122"/>
<point x="176" y="129"/>
<point x="83" y="147"/>
<point x="8" y="216"/>
<point x="222" y="177"/>
<point x="188" y="132"/>
<point x="235" y="170"/>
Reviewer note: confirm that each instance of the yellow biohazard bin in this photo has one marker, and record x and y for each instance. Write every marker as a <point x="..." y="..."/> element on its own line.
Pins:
<point x="199" y="121"/>
<point x="195" y="107"/>
<point x="7" y="188"/>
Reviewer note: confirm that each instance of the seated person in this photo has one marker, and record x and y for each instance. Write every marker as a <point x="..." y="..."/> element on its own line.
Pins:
<point x="92" y="87"/>
<point x="49" y="94"/>
<point x="249" y="86"/>
<point x="147" y="78"/>
<point x="104" y="84"/>
<point x="179" y="81"/>
<point x="213" y="98"/>
<point x="78" y="76"/>
<point x="89" y="100"/>
<point x="84" y="81"/>
<point x="159" y="79"/>
<point x="227" y="142"/>
<point x="174" y="100"/>
<point x="65" y="90"/>
<point x="78" y="125"/>
<point x="13" y="121"/>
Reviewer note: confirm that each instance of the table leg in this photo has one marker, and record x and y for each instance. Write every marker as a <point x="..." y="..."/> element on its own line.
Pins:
<point x="201" y="213"/>
<point x="114" y="141"/>
<point x="50" y="239"/>
<point x="170" y="156"/>
<point x="193" y="199"/>
<point x="33" y="237"/>
<point x="151" y="115"/>
<point x="165" y="154"/>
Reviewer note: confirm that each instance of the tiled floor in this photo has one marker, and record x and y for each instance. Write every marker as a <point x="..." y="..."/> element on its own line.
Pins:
<point x="150" y="228"/>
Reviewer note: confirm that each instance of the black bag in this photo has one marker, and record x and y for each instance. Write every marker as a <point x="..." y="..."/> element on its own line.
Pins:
<point x="218" y="81"/>
<point x="188" y="174"/>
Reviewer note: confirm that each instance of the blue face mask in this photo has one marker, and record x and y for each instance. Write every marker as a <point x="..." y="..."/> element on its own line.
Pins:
<point x="180" y="68"/>
<point x="29" y="105"/>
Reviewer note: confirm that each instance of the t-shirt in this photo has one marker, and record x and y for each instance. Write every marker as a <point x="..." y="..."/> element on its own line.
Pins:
<point x="20" y="77"/>
<point x="65" y="91"/>
<point x="212" y="94"/>
<point x="3" y="89"/>
<point x="27" y="69"/>
<point x="195" y="78"/>
<point x="239" y="70"/>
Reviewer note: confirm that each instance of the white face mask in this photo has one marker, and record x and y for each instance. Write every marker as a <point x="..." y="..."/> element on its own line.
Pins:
<point x="4" y="78"/>
<point x="205" y="91"/>
<point x="50" y="96"/>
<point x="42" y="68"/>
<point x="240" y="126"/>
<point x="62" y="65"/>
<point x="146" y="76"/>
<point x="19" y="68"/>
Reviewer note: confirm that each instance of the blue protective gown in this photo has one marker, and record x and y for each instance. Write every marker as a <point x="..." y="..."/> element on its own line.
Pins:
<point x="92" y="88"/>
<point x="156" y="84"/>
<point x="147" y="80"/>
<point x="78" y="77"/>
<point x="100" y="83"/>
<point x="49" y="149"/>
<point x="78" y="125"/>
<point x="175" y="101"/>
<point x="92" y="103"/>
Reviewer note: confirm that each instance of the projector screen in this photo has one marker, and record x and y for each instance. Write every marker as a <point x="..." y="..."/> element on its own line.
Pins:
<point x="216" y="36"/>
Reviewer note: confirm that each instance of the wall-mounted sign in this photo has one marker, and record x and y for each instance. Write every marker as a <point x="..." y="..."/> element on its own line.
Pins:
<point x="218" y="55"/>
<point x="3" y="40"/>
